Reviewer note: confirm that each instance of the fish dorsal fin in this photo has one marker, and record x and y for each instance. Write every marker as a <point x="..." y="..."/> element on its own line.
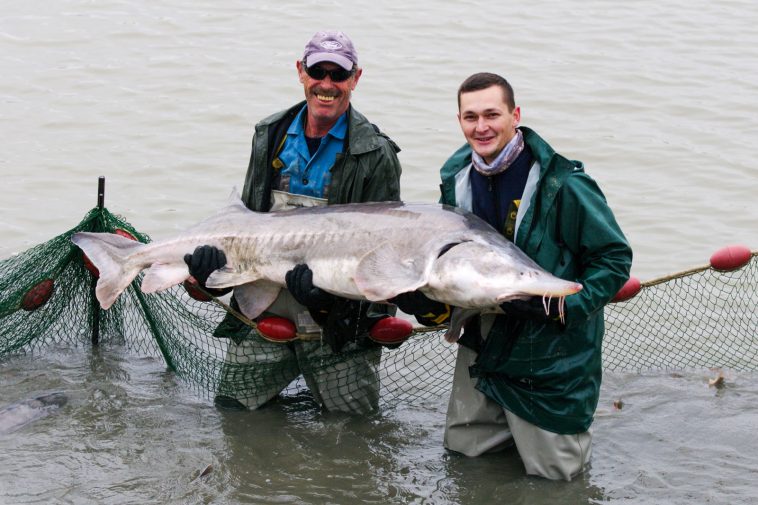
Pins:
<point x="386" y="271"/>
<point x="234" y="204"/>
<point x="234" y="207"/>
<point x="255" y="297"/>
<point x="235" y="200"/>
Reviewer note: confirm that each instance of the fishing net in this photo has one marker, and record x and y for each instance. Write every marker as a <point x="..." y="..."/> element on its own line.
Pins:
<point x="696" y="319"/>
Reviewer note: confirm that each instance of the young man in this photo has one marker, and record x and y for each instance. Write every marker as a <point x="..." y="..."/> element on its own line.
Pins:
<point x="526" y="377"/>
<point x="320" y="151"/>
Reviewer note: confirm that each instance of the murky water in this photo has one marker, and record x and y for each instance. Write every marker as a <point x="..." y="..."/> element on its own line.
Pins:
<point x="659" y="99"/>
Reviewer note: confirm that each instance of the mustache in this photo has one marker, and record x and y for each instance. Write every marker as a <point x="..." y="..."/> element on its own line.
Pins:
<point x="331" y="92"/>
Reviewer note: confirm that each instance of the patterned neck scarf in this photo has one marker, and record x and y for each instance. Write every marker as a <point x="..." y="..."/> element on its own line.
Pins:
<point x="507" y="156"/>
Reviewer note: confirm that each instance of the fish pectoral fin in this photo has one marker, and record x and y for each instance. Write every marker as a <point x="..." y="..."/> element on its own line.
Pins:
<point x="255" y="297"/>
<point x="385" y="272"/>
<point x="457" y="320"/>
<point x="161" y="276"/>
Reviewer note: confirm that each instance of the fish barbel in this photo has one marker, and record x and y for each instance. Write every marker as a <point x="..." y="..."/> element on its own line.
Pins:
<point x="366" y="251"/>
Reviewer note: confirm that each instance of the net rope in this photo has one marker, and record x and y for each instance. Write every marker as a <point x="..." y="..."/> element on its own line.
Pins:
<point x="700" y="318"/>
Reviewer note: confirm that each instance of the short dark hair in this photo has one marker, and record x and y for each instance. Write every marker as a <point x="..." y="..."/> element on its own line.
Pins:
<point x="484" y="80"/>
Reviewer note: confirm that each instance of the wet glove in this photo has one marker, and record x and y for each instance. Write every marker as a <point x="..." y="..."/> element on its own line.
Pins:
<point x="532" y="309"/>
<point x="300" y="283"/>
<point x="427" y="311"/>
<point x="204" y="261"/>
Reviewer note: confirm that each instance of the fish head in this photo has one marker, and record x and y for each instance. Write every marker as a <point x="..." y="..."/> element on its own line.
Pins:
<point x="484" y="275"/>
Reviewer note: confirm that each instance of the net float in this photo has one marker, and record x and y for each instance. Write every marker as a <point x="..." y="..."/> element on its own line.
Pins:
<point x="277" y="329"/>
<point x="190" y="285"/>
<point x="38" y="295"/>
<point x="730" y="258"/>
<point x="390" y="331"/>
<point x="629" y="290"/>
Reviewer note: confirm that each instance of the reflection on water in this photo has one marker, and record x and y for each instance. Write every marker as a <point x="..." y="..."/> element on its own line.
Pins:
<point x="132" y="432"/>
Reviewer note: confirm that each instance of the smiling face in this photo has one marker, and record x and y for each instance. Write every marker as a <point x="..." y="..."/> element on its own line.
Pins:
<point x="488" y="123"/>
<point x="327" y="100"/>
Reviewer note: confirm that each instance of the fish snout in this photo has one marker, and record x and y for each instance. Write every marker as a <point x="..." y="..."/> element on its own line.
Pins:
<point x="554" y="288"/>
<point x="568" y="288"/>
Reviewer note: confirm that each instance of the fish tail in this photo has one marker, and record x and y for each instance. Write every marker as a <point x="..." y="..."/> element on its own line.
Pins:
<point x="110" y="253"/>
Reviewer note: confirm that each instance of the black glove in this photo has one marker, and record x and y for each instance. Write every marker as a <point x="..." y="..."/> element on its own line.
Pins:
<point x="415" y="302"/>
<point x="427" y="311"/>
<point x="300" y="283"/>
<point x="204" y="261"/>
<point x="533" y="309"/>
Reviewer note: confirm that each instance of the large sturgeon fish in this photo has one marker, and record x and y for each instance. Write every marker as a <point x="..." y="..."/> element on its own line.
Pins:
<point x="370" y="251"/>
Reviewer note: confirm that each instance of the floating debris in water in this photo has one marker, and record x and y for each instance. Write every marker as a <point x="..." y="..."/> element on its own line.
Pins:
<point x="618" y="404"/>
<point x="207" y="470"/>
<point x="717" y="382"/>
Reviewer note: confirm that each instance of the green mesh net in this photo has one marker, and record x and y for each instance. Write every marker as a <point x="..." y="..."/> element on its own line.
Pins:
<point x="700" y="318"/>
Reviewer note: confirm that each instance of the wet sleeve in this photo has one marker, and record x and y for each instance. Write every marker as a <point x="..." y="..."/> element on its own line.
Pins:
<point x="602" y="252"/>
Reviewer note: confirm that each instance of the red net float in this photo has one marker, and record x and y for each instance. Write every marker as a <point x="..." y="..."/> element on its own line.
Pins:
<point x="38" y="295"/>
<point x="194" y="291"/>
<point x="730" y="258"/>
<point x="390" y="331"/>
<point x="91" y="267"/>
<point x="277" y="329"/>
<point x="125" y="233"/>
<point x="628" y="290"/>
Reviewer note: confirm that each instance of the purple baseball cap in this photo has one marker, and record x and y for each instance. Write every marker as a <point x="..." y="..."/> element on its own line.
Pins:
<point x="332" y="46"/>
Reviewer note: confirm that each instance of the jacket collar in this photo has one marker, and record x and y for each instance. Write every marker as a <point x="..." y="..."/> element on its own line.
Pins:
<point x="554" y="169"/>
<point x="549" y="160"/>
<point x="361" y="134"/>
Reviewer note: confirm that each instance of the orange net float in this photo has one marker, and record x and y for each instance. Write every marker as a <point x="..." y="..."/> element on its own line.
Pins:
<point x="390" y="331"/>
<point x="38" y="295"/>
<point x="730" y="258"/>
<point x="629" y="290"/>
<point x="88" y="263"/>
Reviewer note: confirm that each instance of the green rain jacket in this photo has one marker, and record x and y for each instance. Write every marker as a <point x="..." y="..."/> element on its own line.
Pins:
<point x="547" y="373"/>
<point x="367" y="171"/>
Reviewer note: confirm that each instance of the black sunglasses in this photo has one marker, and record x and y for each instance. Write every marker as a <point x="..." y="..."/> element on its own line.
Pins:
<point x="319" y="73"/>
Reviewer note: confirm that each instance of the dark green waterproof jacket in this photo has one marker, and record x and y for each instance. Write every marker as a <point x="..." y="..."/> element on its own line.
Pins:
<point x="547" y="373"/>
<point x="367" y="171"/>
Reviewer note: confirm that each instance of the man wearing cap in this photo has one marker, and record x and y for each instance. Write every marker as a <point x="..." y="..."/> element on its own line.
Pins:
<point x="320" y="151"/>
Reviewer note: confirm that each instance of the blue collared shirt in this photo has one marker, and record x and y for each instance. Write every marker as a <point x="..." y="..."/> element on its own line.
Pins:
<point x="304" y="174"/>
